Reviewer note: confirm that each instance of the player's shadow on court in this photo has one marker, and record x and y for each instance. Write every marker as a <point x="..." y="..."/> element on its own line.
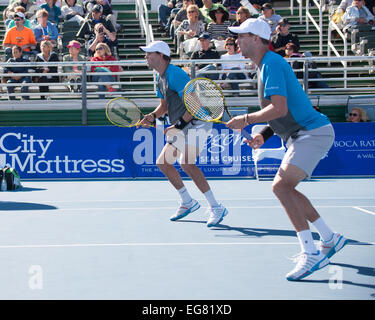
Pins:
<point x="24" y="206"/>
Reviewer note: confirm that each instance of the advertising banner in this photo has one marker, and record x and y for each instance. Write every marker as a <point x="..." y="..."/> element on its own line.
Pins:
<point x="112" y="152"/>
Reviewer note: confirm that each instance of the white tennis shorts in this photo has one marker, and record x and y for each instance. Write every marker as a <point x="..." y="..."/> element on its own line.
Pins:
<point x="307" y="148"/>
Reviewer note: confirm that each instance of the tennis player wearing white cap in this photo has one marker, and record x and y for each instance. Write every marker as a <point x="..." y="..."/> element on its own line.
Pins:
<point x="309" y="136"/>
<point x="185" y="137"/>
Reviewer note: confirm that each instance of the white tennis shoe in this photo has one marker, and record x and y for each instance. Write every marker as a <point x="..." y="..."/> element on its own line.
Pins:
<point x="307" y="263"/>
<point x="216" y="215"/>
<point x="329" y="248"/>
<point x="185" y="209"/>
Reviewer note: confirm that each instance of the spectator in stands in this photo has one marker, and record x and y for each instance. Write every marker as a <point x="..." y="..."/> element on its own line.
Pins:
<point x="45" y="30"/>
<point x="17" y="57"/>
<point x="102" y="35"/>
<point x="103" y="53"/>
<point x="165" y="10"/>
<point x="242" y="15"/>
<point x="206" y="52"/>
<point x="28" y="5"/>
<point x="191" y="27"/>
<point x="357" y="115"/>
<point x="232" y="54"/>
<point x="87" y="30"/>
<point x="10" y="22"/>
<point x="208" y="5"/>
<point x="283" y="37"/>
<point x="54" y="11"/>
<point x="182" y="15"/>
<point x="232" y="6"/>
<point x="108" y="13"/>
<point x="74" y="55"/>
<point x="218" y="29"/>
<point x="46" y="55"/>
<point x="269" y="15"/>
<point x="357" y="15"/>
<point x="20" y="36"/>
<point x="72" y="11"/>
<point x="291" y="50"/>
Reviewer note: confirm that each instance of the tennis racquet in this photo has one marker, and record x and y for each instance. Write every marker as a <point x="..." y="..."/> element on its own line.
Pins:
<point x="205" y="101"/>
<point x="123" y="112"/>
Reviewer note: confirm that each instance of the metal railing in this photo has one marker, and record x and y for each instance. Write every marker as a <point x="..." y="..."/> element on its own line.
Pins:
<point x="300" y="7"/>
<point x="318" y="24"/>
<point x="248" y="87"/>
<point x="141" y="12"/>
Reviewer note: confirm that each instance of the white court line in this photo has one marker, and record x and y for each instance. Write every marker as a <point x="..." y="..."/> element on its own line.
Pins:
<point x="199" y="199"/>
<point x="159" y="208"/>
<point x="149" y="244"/>
<point x="364" y="210"/>
<point x="144" y="244"/>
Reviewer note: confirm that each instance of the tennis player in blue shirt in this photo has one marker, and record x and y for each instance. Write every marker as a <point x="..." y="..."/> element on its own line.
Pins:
<point x="308" y="135"/>
<point x="186" y="136"/>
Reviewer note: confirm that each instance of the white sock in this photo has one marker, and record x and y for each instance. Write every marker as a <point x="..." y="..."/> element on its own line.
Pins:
<point x="211" y="199"/>
<point x="185" y="196"/>
<point x="306" y="241"/>
<point x="325" y="232"/>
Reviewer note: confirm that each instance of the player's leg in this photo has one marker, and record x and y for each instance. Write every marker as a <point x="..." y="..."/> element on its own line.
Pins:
<point x="165" y="163"/>
<point x="310" y="259"/>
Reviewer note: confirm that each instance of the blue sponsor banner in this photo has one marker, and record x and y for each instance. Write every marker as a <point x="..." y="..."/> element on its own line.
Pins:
<point x="112" y="152"/>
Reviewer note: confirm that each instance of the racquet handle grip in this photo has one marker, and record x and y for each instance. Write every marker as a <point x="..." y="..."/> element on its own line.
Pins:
<point x="246" y="134"/>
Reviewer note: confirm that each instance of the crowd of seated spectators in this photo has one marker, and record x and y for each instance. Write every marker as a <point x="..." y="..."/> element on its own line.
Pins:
<point x="35" y="31"/>
<point x="354" y="13"/>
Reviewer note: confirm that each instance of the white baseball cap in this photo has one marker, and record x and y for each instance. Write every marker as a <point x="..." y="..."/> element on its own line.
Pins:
<point x="157" y="46"/>
<point x="258" y="27"/>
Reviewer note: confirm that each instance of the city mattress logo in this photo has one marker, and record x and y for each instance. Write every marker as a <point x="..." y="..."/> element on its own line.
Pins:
<point x="32" y="155"/>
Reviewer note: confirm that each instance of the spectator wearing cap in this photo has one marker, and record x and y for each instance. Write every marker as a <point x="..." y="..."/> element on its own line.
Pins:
<point x="96" y="18"/>
<point x="20" y="36"/>
<point x="45" y="30"/>
<point x="218" y="29"/>
<point x="108" y="13"/>
<point x="13" y="71"/>
<point x="10" y="22"/>
<point x="73" y="56"/>
<point x="72" y="11"/>
<point x="101" y="36"/>
<point x="54" y="11"/>
<point x="206" y="52"/>
<point x="29" y="6"/>
<point x="269" y="15"/>
<point x="283" y="37"/>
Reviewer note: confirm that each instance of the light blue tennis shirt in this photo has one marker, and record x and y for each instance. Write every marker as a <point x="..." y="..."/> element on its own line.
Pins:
<point x="276" y="77"/>
<point x="171" y="86"/>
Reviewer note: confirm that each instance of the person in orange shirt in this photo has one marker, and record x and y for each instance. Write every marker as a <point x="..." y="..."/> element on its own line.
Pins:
<point x="20" y="36"/>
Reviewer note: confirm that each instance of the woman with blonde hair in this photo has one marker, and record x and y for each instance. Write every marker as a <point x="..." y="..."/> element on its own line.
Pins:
<point x="103" y="53"/>
<point x="357" y="115"/>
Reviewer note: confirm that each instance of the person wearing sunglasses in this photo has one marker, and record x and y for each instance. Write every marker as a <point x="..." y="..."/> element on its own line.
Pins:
<point x="357" y="115"/>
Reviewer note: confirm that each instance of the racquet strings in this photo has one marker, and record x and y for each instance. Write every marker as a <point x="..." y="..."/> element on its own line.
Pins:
<point x="123" y="113"/>
<point x="204" y="100"/>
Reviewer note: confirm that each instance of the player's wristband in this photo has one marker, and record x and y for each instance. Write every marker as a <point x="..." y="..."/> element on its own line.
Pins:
<point x="180" y="124"/>
<point x="267" y="133"/>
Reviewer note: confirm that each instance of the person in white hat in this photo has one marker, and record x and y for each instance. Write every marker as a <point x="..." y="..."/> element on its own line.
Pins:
<point x="186" y="136"/>
<point x="308" y="134"/>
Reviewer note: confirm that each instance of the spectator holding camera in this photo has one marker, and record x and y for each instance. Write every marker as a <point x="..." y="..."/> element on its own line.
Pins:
<point x="102" y="35"/>
<point x="94" y="18"/>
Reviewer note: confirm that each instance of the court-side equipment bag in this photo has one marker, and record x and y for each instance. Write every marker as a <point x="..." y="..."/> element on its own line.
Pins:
<point x="9" y="179"/>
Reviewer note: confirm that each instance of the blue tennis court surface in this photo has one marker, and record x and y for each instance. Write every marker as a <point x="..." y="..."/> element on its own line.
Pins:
<point x="114" y="240"/>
